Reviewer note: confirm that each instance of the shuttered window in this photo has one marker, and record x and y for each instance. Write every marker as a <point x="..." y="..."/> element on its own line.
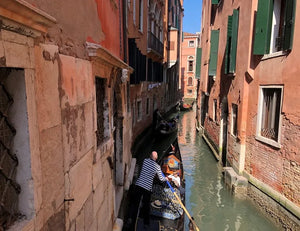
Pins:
<point x="228" y="44"/>
<point x="274" y="36"/>
<point x="289" y="24"/>
<point x="198" y="63"/>
<point x="215" y="2"/>
<point x="234" y="36"/>
<point x="231" y="45"/>
<point x="214" y="46"/>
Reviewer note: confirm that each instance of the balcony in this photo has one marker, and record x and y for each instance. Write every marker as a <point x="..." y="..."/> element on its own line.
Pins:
<point x="155" y="46"/>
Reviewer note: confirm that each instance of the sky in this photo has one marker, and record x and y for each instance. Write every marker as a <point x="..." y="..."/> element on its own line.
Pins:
<point x="192" y="16"/>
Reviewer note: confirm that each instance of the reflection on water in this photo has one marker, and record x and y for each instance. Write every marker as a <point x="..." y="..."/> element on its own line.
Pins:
<point x="207" y="198"/>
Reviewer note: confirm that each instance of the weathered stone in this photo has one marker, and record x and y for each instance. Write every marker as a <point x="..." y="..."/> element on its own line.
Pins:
<point x="18" y="55"/>
<point x="98" y="198"/>
<point x="77" y="81"/>
<point x="80" y="221"/>
<point x="79" y="184"/>
<point x="78" y="132"/>
<point x="52" y="170"/>
<point x="94" y="226"/>
<point x="89" y="212"/>
<point x="47" y="75"/>
<point x="97" y="174"/>
<point x="10" y="36"/>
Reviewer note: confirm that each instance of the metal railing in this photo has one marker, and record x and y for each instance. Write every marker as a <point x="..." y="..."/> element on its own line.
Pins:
<point x="155" y="44"/>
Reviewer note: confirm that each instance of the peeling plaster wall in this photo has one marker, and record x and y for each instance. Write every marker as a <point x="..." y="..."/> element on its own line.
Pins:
<point x="76" y="24"/>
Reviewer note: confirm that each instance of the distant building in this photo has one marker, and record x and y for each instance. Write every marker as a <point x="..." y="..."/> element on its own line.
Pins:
<point x="248" y="96"/>
<point x="154" y="83"/>
<point x="189" y="81"/>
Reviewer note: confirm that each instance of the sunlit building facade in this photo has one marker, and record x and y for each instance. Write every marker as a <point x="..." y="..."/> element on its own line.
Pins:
<point x="248" y="97"/>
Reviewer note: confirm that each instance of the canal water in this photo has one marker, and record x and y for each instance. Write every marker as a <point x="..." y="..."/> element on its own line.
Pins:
<point x="208" y="200"/>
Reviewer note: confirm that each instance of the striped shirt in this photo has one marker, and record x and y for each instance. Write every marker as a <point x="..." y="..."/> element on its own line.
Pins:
<point x="149" y="169"/>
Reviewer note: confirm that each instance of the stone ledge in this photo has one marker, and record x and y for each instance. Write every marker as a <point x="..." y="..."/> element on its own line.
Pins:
<point x="26" y="14"/>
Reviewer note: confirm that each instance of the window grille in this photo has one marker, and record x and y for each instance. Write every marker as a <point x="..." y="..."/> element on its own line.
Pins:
<point x="9" y="188"/>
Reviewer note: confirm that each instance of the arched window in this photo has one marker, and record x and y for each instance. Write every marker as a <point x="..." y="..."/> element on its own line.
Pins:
<point x="190" y="63"/>
<point x="190" y="81"/>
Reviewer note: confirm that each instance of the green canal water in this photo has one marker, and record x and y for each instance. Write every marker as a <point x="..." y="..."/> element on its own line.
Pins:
<point x="208" y="200"/>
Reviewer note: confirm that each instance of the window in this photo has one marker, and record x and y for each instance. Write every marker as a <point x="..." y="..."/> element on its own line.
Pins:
<point x="274" y="27"/>
<point x="190" y="92"/>
<point x="231" y="45"/>
<point x="141" y="9"/>
<point x="213" y="58"/>
<point x="269" y="114"/>
<point x="102" y="132"/>
<point x="147" y="106"/>
<point x="215" y="108"/>
<point x="16" y="174"/>
<point x="234" y="120"/>
<point x="190" y="81"/>
<point x="139" y="110"/>
<point x="191" y="65"/>
<point x="191" y="43"/>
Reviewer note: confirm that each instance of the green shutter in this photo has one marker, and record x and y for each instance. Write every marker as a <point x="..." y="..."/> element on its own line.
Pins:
<point x="215" y="2"/>
<point x="263" y="27"/>
<point x="213" y="59"/>
<point x="234" y="36"/>
<point x="228" y="44"/>
<point x="198" y="62"/>
<point x="289" y="21"/>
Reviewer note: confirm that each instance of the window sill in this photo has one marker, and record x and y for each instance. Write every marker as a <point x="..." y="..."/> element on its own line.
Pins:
<point x="268" y="141"/>
<point x="274" y="55"/>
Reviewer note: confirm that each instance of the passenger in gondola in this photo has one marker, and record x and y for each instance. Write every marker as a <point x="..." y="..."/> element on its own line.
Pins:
<point x="175" y="179"/>
<point x="172" y="152"/>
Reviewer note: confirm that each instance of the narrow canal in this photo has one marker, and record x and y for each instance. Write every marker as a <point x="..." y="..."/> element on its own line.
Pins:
<point x="207" y="199"/>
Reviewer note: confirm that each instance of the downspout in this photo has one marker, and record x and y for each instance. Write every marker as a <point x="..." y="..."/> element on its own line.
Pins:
<point x="125" y="30"/>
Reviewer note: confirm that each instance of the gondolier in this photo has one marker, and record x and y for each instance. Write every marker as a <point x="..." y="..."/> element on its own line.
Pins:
<point x="143" y="187"/>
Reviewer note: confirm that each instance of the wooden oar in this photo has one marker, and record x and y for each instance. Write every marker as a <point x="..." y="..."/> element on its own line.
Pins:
<point x="182" y="205"/>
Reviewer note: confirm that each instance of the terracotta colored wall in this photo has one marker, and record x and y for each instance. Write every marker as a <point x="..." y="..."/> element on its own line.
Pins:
<point x="110" y="18"/>
<point x="94" y="21"/>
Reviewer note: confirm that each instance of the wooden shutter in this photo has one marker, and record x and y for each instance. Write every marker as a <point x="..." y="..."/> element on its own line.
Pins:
<point x="234" y="36"/>
<point x="263" y="27"/>
<point x="228" y="44"/>
<point x="214" y="46"/>
<point x="198" y="62"/>
<point x="289" y="21"/>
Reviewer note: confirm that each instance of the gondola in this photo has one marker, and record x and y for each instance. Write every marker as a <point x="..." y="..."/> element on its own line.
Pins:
<point x="165" y="126"/>
<point x="186" y="106"/>
<point x="166" y="212"/>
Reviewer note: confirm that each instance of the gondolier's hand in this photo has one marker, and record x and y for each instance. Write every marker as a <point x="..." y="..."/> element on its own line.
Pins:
<point x="167" y="179"/>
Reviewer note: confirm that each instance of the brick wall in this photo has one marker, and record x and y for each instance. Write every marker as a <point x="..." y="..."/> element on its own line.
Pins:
<point x="278" y="168"/>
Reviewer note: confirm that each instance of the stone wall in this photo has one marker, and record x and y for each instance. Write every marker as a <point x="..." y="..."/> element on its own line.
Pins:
<point x="278" y="214"/>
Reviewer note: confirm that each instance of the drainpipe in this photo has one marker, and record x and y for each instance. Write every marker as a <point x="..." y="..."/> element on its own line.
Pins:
<point x="125" y="30"/>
